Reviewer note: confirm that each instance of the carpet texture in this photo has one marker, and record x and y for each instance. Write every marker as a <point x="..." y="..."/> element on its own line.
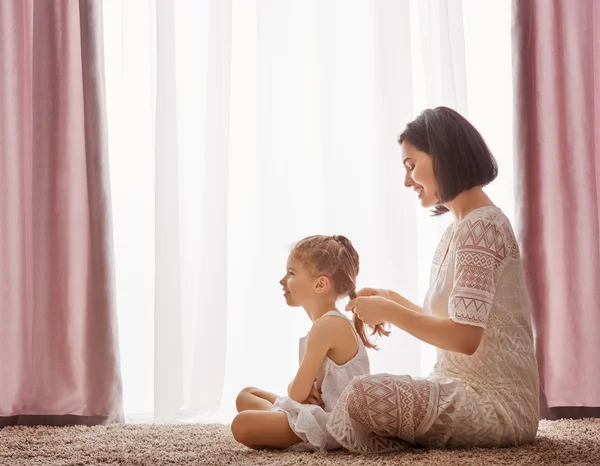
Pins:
<point x="559" y="442"/>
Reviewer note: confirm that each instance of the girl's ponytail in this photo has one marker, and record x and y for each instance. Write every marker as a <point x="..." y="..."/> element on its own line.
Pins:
<point x="359" y="325"/>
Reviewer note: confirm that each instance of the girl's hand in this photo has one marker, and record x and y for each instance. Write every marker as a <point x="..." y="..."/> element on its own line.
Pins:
<point x="314" y="398"/>
<point x="372" y="310"/>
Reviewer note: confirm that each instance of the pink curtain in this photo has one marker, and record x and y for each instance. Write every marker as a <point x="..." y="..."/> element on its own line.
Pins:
<point x="58" y="336"/>
<point x="557" y="79"/>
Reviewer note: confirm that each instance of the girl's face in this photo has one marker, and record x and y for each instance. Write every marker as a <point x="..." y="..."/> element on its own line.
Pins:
<point x="299" y="286"/>
<point x="419" y="174"/>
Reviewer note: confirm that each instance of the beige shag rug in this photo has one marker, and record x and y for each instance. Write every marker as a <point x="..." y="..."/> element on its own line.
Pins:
<point x="559" y="442"/>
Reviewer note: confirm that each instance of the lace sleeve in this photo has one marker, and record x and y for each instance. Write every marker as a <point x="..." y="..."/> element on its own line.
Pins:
<point x="478" y="263"/>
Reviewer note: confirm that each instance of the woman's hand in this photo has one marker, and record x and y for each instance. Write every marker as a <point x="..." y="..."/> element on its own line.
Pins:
<point x="391" y="295"/>
<point x="372" y="310"/>
<point x="366" y="292"/>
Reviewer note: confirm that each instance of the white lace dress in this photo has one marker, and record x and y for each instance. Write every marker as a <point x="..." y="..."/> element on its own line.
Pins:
<point x="309" y="421"/>
<point x="488" y="399"/>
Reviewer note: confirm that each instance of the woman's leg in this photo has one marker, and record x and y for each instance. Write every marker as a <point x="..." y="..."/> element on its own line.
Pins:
<point x="263" y="429"/>
<point x="251" y="398"/>
<point x="382" y="412"/>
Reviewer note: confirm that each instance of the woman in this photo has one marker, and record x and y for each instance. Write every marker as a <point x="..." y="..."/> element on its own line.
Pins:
<point x="484" y="388"/>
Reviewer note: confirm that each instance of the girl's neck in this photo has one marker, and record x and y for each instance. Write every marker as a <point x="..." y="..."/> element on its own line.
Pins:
<point x="318" y="310"/>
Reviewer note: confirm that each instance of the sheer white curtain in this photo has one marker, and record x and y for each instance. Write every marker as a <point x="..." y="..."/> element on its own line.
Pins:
<point x="238" y="127"/>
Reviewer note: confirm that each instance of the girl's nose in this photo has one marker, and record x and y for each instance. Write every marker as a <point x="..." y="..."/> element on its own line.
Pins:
<point x="408" y="182"/>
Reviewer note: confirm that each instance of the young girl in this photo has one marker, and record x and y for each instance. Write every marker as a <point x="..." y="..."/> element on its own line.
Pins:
<point x="320" y="271"/>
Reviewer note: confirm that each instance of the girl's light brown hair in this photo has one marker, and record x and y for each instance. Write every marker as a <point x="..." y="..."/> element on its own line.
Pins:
<point x="336" y="258"/>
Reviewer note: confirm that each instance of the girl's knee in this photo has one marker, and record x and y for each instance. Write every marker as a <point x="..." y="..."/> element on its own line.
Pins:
<point x="247" y="391"/>
<point x="241" y="429"/>
<point x="242" y="397"/>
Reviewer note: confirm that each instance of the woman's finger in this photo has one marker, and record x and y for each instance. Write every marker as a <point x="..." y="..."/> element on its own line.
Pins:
<point x="351" y="306"/>
<point x="367" y="292"/>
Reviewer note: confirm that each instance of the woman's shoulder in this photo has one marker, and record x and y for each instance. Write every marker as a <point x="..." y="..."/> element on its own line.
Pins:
<point x="488" y="227"/>
<point x="482" y="220"/>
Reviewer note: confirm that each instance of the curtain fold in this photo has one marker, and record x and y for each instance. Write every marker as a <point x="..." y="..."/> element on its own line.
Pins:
<point x="556" y="49"/>
<point x="58" y="338"/>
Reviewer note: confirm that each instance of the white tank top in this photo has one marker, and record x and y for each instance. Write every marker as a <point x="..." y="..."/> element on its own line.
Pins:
<point x="332" y="378"/>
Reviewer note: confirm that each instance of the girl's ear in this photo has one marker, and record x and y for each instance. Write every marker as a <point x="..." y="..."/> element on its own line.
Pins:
<point x="322" y="284"/>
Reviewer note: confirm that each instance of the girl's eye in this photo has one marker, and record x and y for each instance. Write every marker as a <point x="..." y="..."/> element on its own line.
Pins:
<point x="411" y="168"/>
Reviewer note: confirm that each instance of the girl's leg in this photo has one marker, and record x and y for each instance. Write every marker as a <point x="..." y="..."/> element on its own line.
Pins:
<point x="263" y="429"/>
<point x="251" y="398"/>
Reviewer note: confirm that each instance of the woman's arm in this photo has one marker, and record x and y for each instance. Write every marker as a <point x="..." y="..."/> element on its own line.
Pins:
<point x="437" y="331"/>
<point x="402" y="301"/>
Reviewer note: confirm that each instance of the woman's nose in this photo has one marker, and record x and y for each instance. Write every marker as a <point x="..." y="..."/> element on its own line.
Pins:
<point x="408" y="181"/>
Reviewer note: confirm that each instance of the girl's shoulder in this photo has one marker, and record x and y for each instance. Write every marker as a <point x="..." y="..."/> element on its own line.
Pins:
<point x="331" y="319"/>
<point x="331" y="326"/>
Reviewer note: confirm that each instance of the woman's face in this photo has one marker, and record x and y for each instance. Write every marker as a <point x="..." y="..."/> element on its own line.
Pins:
<point x="419" y="174"/>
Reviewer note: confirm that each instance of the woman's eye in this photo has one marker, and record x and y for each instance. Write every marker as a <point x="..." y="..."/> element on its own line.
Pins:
<point x="411" y="168"/>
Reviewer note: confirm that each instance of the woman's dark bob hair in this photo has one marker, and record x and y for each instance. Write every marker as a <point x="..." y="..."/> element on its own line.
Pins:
<point x="461" y="158"/>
